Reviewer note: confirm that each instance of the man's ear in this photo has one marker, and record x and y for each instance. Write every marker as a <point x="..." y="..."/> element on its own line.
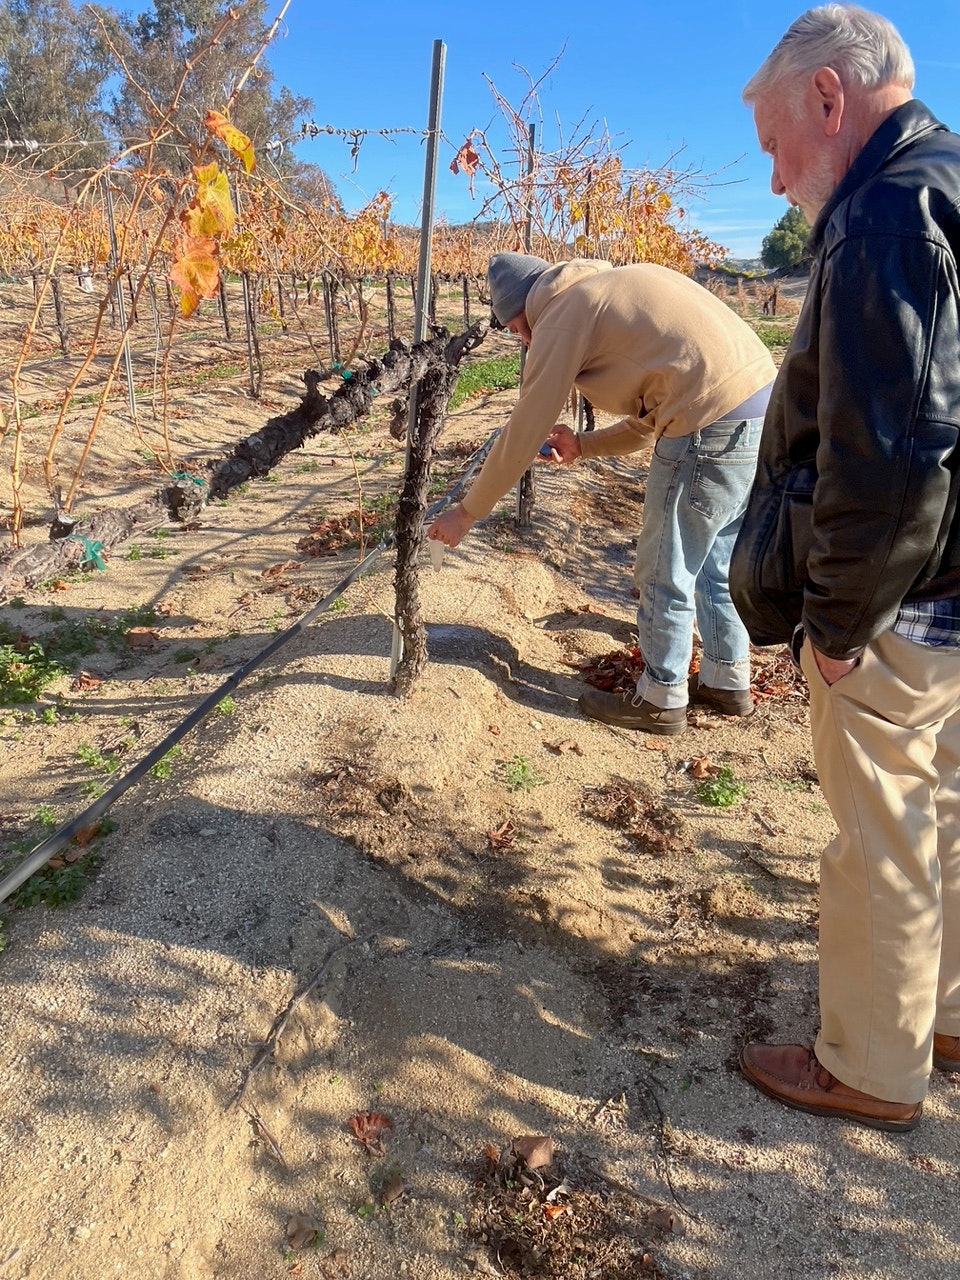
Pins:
<point x="828" y="88"/>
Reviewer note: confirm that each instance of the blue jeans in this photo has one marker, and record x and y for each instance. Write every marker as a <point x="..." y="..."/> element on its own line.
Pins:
<point x="697" y="491"/>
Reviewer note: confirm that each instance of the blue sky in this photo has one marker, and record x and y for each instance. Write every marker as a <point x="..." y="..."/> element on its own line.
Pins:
<point x="663" y="77"/>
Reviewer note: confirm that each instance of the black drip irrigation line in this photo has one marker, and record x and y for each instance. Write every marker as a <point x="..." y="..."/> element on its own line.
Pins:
<point x="47" y="848"/>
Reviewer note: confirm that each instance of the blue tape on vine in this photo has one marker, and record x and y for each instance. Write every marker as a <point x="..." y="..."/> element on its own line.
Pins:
<point x="91" y="550"/>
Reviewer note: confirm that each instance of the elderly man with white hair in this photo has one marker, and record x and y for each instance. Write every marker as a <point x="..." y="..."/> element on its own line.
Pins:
<point x="851" y="547"/>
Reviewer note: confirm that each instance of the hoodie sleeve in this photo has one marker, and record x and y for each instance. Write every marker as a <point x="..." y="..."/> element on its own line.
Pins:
<point x="554" y="358"/>
<point x="626" y="436"/>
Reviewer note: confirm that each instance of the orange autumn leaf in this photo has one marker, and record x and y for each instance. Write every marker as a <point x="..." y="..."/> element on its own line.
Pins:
<point x="196" y="273"/>
<point x="369" y="1127"/>
<point x="238" y="142"/>
<point x="551" y="1211"/>
<point x="467" y="160"/>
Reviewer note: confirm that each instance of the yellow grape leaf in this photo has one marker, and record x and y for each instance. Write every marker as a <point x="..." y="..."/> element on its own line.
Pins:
<point x="238" y="142"/>
<point x="196" y="273"/>
<point x="210" y="212"/>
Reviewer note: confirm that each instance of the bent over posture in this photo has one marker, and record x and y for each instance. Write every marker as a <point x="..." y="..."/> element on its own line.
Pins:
<point x="685" y="374"/>
<point x="851" y="542"/>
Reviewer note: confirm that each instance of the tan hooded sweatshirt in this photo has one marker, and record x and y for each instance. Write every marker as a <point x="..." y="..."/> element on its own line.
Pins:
<point x="642" y="341"/>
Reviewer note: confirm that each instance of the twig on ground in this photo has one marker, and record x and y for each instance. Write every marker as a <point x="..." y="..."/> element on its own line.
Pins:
<point x="280" y="1022"/>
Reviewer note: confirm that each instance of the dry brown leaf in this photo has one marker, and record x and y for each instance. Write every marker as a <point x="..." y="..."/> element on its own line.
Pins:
<point x="142" y="638"/>
<point x="392" y="1189"/>
<point x="656" y="744"/>
<point x="563" y="745"/>
<point x="492" y="1153"/>
<point x="301" y="1230"/>
<point x="288" y="566"/>
<point x="495" y="730"/>
<point x="535" y="1150"/>
<point x="369" y="1127"/>
<point x="577" y="660"/>
<point x="502" y="837"/>
<point x="85" y="680"/>
<point x="701" y="767"/>
<point x="551" y="1211"/>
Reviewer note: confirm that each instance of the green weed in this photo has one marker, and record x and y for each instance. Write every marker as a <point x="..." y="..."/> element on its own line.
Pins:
<point x="721" y="791"/>
<point x="164" y="766"/>
<point x="520" y="775"/>
<point x="226" y="706"/>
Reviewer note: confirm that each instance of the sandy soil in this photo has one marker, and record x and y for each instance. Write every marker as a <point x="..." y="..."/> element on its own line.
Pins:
<point x="508" y="921"/>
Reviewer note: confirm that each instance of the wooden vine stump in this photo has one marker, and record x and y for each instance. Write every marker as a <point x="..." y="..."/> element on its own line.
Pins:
<point x="434" y="388"/>
<point x="260" y="452"/>
<point x="73" y="545"/>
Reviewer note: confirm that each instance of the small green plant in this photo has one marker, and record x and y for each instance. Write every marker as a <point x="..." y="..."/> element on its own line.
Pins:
<point x="774" y="336"/>
<point x="164" y="765"/>
<point x="26" y="671"/>
<point x="44" y="817"/>
<point x="105" y="761"/>
<point x="366" y="1211"/>
<point x="49" y="715"/>
<point x="161" y="551"/>
<point x="226" y="706"/>
<point x="135" y="553"/>
<point x="720" y="791"/>
<point x="520" y="775"/>
<point x="339" y="604"/>
<point x="185" y="655"/>
<point x="17" y="602"/>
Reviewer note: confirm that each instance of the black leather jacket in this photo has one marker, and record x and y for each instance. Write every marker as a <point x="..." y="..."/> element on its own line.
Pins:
<point x="856" y="505"/>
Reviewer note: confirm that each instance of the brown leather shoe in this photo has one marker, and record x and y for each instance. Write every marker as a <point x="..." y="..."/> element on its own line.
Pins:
<point x="946" y="1052"/>
<point x="791" y="1074"/>
<point x="628" y="711"/>
<point x="726" y="702"/>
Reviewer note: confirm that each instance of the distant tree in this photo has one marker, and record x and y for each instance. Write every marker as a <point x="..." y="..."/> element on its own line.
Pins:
<point x="308" y="183"/>
<point x="785" y="246"/>
<point x="155" y="47"/>
<point x="52" y="75"/>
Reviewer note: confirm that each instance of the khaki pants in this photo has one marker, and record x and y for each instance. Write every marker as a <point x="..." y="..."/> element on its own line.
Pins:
<point x="886" y="740"/>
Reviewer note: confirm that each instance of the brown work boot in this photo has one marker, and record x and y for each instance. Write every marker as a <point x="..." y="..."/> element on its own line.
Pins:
<point x="630" y="711"/>
<point x="946" y="1052"/>
<point x="726" y="702"/>
<point x="791" y="1074"/>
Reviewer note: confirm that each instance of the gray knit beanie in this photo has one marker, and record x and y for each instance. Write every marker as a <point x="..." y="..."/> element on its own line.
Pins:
<point x="511" y="276"/>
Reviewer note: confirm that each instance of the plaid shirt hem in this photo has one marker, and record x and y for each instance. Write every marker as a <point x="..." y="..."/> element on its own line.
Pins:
<point x="931" y="622"/>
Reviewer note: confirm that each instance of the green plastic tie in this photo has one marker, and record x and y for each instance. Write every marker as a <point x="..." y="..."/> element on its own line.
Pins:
<point x="92" y="550"/>
<point x="185" y="475"/>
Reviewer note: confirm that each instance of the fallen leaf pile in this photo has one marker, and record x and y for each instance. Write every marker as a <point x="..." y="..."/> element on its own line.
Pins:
<point x="329" y="536"/>
<point x="530" y="1221"/>
<point x="615" y="672"/>
<point x="633" y="808"/>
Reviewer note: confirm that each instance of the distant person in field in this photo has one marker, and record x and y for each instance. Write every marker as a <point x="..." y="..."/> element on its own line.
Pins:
<point x="690" y="378"/>
<point x="851" y="547"/>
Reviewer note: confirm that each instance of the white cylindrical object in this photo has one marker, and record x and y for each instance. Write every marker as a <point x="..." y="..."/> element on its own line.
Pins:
<point x="437" y="549"/>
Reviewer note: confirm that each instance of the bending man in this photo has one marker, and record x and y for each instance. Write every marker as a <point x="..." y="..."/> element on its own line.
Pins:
<point x="688" y="376"/>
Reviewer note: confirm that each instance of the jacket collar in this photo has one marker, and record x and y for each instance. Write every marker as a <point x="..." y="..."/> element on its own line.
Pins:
<point x="901" y="129"/>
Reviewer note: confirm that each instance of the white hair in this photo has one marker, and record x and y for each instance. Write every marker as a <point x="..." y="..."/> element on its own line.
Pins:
<point x="862" y="47"/>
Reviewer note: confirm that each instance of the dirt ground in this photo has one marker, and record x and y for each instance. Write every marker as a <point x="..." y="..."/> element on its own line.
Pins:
<point x="505" y="921"/>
